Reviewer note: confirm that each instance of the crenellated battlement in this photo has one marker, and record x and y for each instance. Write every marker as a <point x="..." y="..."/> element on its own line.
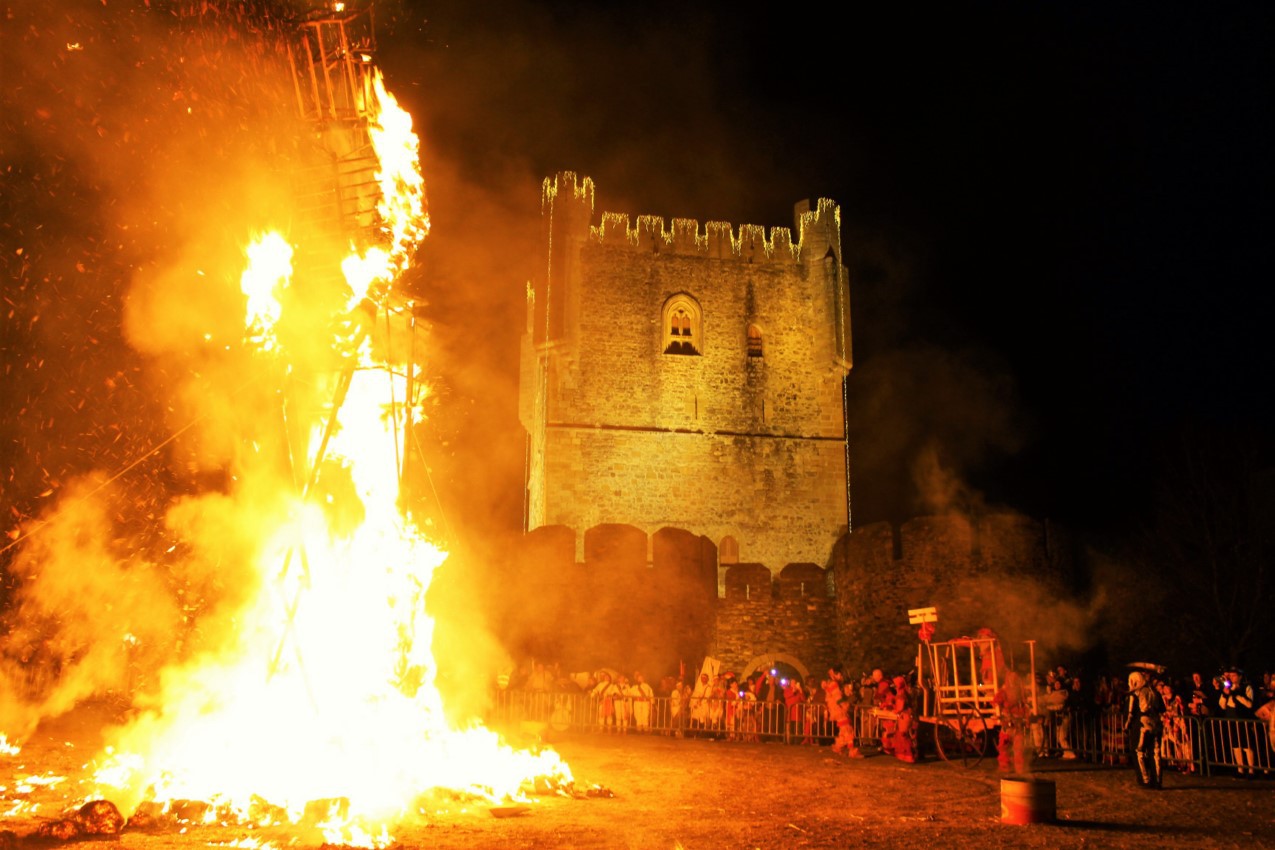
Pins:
<point x="684" y="236"/>
<point x="818" y="228"/>
<point x="826" y="213"/>
<point x="581" y="189"/>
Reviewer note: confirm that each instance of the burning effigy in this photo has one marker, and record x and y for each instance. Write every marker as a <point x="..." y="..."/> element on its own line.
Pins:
<point x="250" y="572"/>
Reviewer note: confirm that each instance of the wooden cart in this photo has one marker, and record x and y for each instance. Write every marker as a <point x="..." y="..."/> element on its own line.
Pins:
<point x="959" y="680"/>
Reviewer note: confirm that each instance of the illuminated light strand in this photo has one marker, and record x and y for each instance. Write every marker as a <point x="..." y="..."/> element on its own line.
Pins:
<point x="685" y="234"/>
<point x="581" y="188"/>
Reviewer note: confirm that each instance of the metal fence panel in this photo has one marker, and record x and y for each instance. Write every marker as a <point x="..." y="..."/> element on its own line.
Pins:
<point x="1193" y="744"/>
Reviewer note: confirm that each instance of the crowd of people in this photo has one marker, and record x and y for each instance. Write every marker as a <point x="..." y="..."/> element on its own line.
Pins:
<point x="1228" y="694"/>
<point x="771" y="704"/>
<point x="726" y="705"/>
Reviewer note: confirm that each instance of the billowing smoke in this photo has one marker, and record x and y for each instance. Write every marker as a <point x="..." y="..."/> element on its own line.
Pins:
<point x="147" y="146"/>
<point x="88" y="612"/>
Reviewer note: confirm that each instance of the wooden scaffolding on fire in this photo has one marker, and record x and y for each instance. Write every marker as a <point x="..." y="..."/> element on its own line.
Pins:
<point x="337" y="195"/>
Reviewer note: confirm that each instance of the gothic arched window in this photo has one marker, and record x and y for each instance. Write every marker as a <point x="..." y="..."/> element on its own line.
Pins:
<point x="683" y="325"/>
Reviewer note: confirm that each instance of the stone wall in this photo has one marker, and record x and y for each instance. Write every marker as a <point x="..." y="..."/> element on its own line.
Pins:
<point x="1003" y="571"/>
<point x="616" y="609"/>
<point x="790" y="614"/>
<point x="768" y="494"/>
<point x="648" y="604"/>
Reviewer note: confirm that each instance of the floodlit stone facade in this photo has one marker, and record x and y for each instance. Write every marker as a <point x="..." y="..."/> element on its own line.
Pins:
<point x="689" y="377"/>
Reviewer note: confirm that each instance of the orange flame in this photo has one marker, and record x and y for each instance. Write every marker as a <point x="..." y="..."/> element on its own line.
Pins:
<point x="268" y="273"/>
<point x="402" y="204"/>
<point x="325" y="688"/>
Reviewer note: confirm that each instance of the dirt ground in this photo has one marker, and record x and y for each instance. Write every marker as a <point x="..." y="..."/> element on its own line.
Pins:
<point x="691" y="794"/>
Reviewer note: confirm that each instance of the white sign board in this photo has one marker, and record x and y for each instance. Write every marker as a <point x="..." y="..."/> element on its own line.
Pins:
<point x="923" y="615"/>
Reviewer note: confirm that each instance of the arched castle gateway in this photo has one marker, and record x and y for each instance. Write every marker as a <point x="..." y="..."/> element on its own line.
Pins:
<point x="689" y="378"/>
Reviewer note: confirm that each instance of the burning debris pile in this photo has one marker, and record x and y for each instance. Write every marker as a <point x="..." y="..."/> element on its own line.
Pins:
<point x="223" y="533"/>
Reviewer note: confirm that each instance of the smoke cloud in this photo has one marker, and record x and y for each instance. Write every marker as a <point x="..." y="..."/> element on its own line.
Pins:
<point x="144" y="468"/>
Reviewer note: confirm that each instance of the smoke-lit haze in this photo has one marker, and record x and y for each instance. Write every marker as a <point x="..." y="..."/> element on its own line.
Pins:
<point x="145" y="448"/>
<point x="136" y="164"/>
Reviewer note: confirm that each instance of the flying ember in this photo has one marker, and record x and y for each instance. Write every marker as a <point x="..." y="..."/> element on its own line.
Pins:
<point x="310" y="694"/>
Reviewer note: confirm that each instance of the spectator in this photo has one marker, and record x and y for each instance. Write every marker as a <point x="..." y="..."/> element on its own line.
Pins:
<point x="1081" y="700"/>
<point x="1236" y="703"/>
<point x="699" y="704"/>
<point x="1058" y="718"/>
<point x="732" y="714"/>
<point x="1200" y="701"/>
<point x="560" y="717"/>
<point x="748" y="709"/>
<point x="1063" y="675"/>
<point x="623" y="704"/>
<point x="1102" y="693"/>
<point x="641" y="695"/>
<point x="676" y="701"/>
<point x="1176" y="743"/>
<point x="604" y="692"/>
<point x="538" y="684"/>
<point x="794" y="708"/>
<point x="716" y="705"/>
<point x="1266" y="713"/>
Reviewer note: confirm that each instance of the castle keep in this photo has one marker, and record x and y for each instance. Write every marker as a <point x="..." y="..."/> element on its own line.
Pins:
<point x="683" y="395"/>
<point x="689" y="378"/>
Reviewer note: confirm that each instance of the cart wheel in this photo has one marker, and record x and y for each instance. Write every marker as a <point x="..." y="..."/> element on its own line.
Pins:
<point x="963" y="739"/>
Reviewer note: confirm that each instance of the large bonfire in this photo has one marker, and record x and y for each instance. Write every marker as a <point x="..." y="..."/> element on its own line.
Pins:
<point x="303" y="686"/>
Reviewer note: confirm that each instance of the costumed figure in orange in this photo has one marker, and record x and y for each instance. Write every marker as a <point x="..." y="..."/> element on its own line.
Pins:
<point x="880" y="689"/>
<point x="839" y="712"/>
<point x="905" y="725"/>
<point x="1015" y="717"/>
<point x="991" y="661"/>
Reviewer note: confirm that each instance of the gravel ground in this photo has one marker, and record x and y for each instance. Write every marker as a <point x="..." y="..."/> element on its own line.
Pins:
<point x="671" y="793"/>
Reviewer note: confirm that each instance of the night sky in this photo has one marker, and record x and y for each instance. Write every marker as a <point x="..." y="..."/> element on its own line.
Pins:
<point x="1055" y="216"/>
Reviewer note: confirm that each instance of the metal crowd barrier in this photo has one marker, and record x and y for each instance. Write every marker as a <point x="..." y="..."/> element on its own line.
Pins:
<point x="1203" y="745"/>
<point x="726" y="719"/>
<point x="1242" y="746"/>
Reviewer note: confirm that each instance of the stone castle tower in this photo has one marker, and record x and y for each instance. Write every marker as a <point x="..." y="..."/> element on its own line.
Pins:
<point x="689" y="378"/>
